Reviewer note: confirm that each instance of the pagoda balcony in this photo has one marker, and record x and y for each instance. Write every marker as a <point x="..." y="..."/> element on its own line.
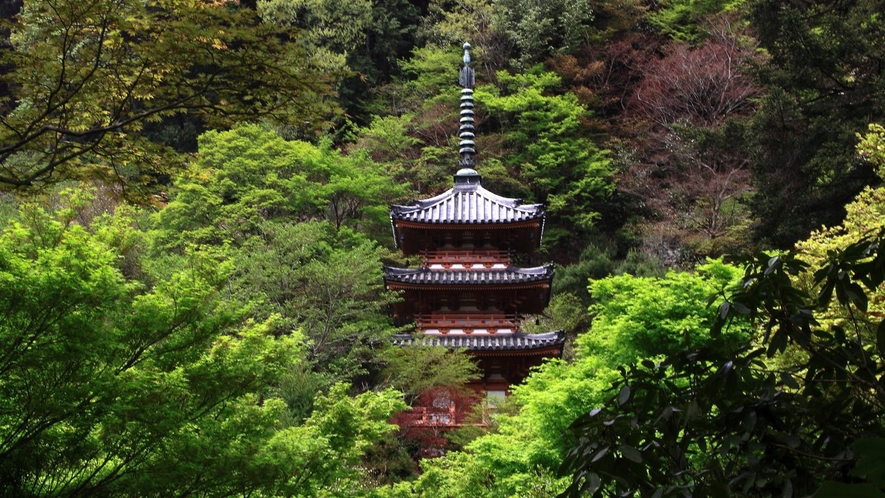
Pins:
<point x="466" y="259"/>
<point x="421" y="416"/>
<point x="490" y="323"/>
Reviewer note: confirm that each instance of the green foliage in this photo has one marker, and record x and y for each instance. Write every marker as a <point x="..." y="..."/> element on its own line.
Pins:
<point x="413" y="370"/>
<point x="682" y="426"/>
<point x="800" y="185"/>
<point x="521" y="454"/>
<point x="565" y="312"/>
<point x="446" y="477"/>
<point x="390" y="38"/>
<point x="710" y="419"/>
<point x="533" y="142"/>
<point x="244" y="195"/>
<point x="248" y="175"/>
<point x="598" y="260"/>
<point x="430" y="75"/>
<point x="450" y="23"/>
<point x="824" y="88"/>
<point x="364" y="38"/>
<point x="325" y="282"/>
<point x="103" y="378"/>
<point x="298" y="388"/>
<point x="8" y="209"/>
<point x="549" y="150"/>
<point x="863" y="216"/>
<point x="871" y="147"/>
<point x="662" y="316"/>
<point x="641" y="265"/>
<point x="322" y="456"/>
<point x="112" y="385"/>
<point x="415" y="143"/>
<point x="85" y="76"/>
<point x="594" y="263"/>
<point x="682" y="20"/>
<point x="126" y="369"/>
<point x="387" y="139"/>
<point x="322" y="33"/>
<point x="542" y="28"/>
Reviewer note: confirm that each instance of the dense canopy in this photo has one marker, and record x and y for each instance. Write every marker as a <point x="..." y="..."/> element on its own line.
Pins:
<point x="195" y="201"/>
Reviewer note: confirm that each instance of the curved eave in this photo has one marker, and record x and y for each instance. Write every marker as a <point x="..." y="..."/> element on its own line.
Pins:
<point x="398" y="217"/>
<point x="510" y="278"/>
<point x="537" y="224"/>
<point x="555" y="351"/>
<point x="499" y="225"/>
<point x="467" y="204"/>
<point x="519" y="344"/>
<point x="395" y="286"/>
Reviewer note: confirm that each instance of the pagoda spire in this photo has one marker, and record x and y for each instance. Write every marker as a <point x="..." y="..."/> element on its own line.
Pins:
<point x="466" y="146"/>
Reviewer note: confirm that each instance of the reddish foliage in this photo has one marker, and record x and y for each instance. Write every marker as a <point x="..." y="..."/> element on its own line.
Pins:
<point x="687" y="168"/>
<point x="698" y="86"/>
<point x="666" y="107"/>
<point x="604" y="75"/>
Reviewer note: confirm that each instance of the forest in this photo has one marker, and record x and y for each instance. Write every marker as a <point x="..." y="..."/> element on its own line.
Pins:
<point x="194" y="202"/>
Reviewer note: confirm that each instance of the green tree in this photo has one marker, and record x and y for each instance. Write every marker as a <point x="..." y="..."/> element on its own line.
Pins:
<point x="451" y="23"/>
<point x="863" y="216"/>
<point x="157" y="386"/>
<point x="682" y="20"/>
<point x="327" y="283"/>
<point x="599" y="259"/>
<point x="103" y="378"/>
<point x="324" y="35"/>
<point x="541" y="29"/>
<point x="361" y="37"/>
<point x="322" y="457"/>
<point x="247" y="175"/>
<point x="415" y="140"/>
<point x="86" y="76"/>
<point x="824" y="80"/>
<point x="285" y="211"/>
<point x="413" y="370"/>
<point x="566" y="312"/>
<point x="714" y="420"/>
<point x="550" y="151"/>
<point x="708" y="419"/>
<point x="662" y="316"/>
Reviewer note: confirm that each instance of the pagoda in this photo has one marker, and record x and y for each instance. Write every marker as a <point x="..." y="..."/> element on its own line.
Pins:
<point x="470" y="291"/>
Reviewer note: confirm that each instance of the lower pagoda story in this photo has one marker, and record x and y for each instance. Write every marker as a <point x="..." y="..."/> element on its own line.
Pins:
<point x="504" y="360"/>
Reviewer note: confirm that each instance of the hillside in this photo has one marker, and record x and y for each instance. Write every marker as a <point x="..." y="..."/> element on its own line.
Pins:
<point x="194" y="203"/>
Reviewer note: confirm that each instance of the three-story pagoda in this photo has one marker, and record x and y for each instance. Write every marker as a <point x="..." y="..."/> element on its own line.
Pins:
<point x="470" y="291"/>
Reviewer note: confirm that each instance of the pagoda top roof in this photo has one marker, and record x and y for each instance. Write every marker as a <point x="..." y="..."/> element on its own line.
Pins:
<point x="516" y="343"/>
<point x="467" y="203"/>
<point x="509" y="275"/>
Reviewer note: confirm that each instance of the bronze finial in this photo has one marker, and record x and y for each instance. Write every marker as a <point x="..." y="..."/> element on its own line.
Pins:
<point x="466" y="147"/>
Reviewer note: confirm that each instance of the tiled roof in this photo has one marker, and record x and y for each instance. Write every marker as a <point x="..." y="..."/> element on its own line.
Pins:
<point x="467" y="202"/>
<point x="510" y="275"/>
<point x="509" y="342"/>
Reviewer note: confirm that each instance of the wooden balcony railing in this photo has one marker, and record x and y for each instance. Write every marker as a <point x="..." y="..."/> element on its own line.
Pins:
<point x="420" y="416"/>
<point x="466" y="257"/>
<point x="467" y="322"/>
